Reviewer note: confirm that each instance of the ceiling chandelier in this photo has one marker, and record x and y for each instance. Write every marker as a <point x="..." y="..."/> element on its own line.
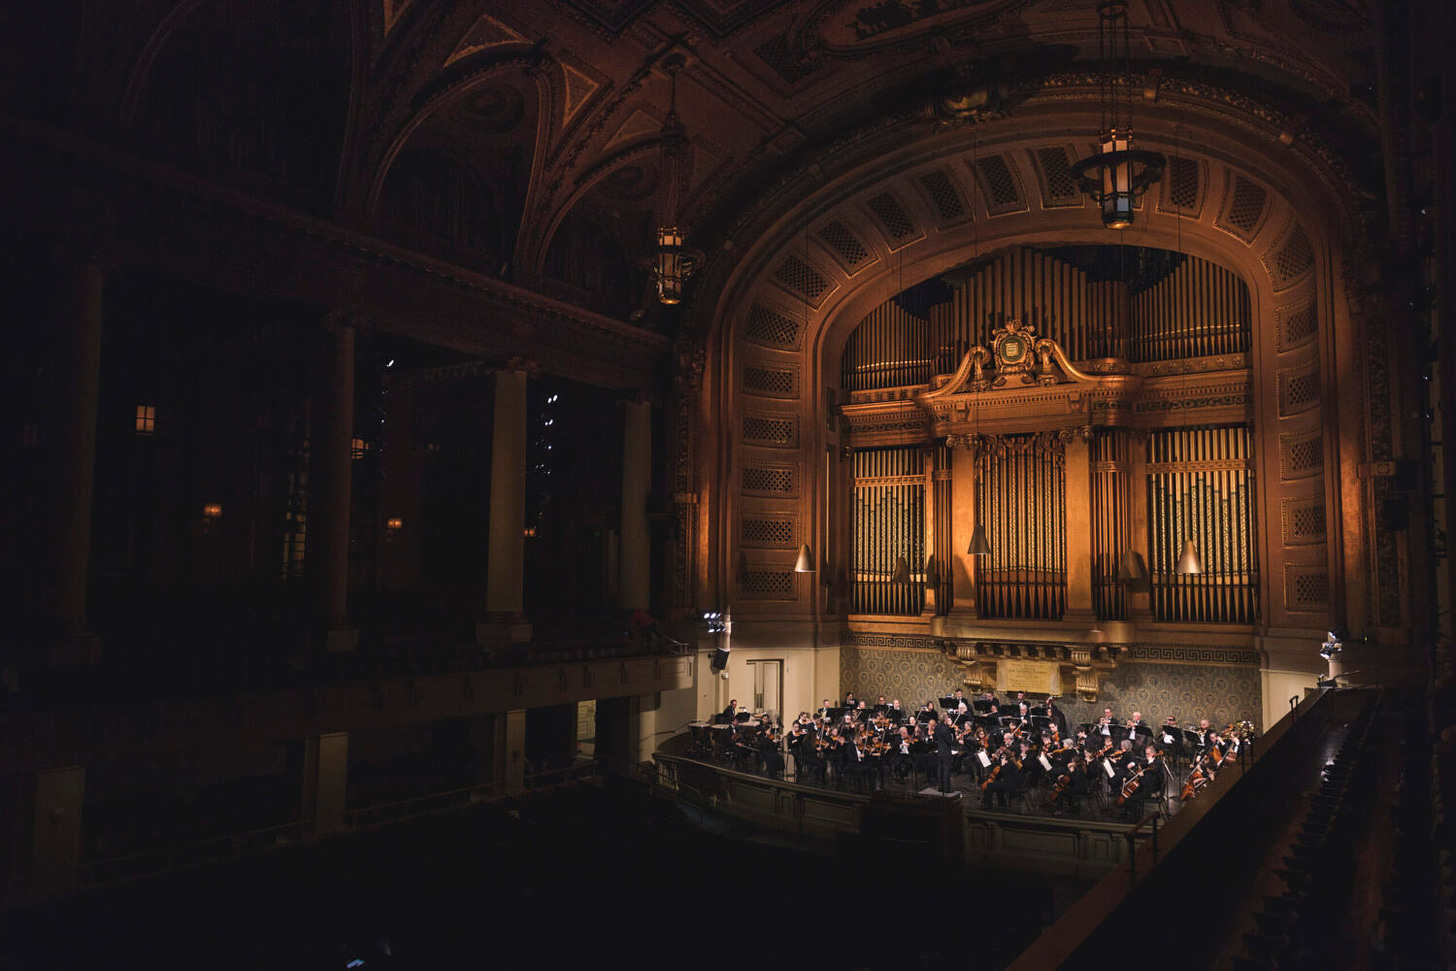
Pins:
<point x="1116" y="175"/>
<point x="672" y="261"/>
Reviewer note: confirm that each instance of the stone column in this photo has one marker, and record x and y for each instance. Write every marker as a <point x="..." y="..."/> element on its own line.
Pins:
<point x="1079" y="529"/>
<point x="326" y="781"/>
<point x="505" y="618"/>
<point x="339" y="460"/>
<point x="80" y="380"/>
<point x="634" y="585"/>
<point x="963" y="524"/>
<point x="60" y="795"/>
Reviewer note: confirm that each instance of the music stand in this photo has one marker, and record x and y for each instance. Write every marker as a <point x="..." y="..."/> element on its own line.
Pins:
<point x="949" y="702"/>
<point x="983" y="707"/>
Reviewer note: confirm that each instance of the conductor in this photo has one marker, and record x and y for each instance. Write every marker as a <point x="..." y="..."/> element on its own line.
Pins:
<point x="944" y="737"/>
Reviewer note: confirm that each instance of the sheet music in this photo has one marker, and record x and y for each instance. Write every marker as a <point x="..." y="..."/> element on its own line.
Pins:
<point x="1046" y="763"/>
<point x="984" y="759"/>
<point x="1107" y="767"/>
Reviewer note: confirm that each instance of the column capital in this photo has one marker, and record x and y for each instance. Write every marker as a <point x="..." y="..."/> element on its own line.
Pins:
<point x="529" y="366"/>
<point x="641" y="396"/>
<point x="339" y="320"/>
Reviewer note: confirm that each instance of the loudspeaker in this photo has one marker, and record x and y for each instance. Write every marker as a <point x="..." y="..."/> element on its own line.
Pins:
<point x="719" y="660"/>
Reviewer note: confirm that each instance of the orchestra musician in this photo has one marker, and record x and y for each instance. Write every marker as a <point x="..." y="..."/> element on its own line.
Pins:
<point x="1007" y="779"/>
<point x="944" y="739"/>
<point x="769" y="751"/>
<point x="891" y="745"/>
<point x="1071" y="787"/>
<point x="1057" y="718"/>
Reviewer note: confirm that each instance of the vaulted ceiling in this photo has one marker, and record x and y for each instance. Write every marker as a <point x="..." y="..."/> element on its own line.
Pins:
<point x="768" y="84"/>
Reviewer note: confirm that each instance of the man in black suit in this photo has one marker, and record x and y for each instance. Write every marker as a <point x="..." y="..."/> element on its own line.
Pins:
<point x="1055" y="714"/>
<point x="1008" y="781"/>
<point x="944" y="739"/>
<point x="731" y="710"/>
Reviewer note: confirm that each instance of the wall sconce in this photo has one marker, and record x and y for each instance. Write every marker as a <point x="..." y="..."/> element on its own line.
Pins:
<point x="212" y="510"/>
<point x="394" y="523"/>
<point x="805" y="562"/>
<point x="529" y="532"/>
<point x="980" y="546"/>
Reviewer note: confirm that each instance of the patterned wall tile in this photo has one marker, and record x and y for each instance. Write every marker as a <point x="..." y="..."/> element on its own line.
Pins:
<point x="1219" y="692"/>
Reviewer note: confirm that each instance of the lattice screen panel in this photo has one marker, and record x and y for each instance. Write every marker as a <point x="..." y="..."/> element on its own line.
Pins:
<point x="765" y="326"/>
<point x="764" y="531"/>
<point x="775" y="431"/>
<point x="802" y="278"/>
<point x="1181" y="191"/>
<point x="844" y="243"/>
<point x="1245" y="208"/>
<point x="771" y="382"/>
<point x="944" y="195"/>
<point x="1301" y="454"/>
<point x="1201" y="489"/>
<point x="1056" y="170"/>
<point x="889" y="524"/>
<point x="767" y="585"/>
<point x="1296" y="325"/>
<point x="1293" y="259"/>
<point x="771" y="480"/>
<point x="897" y="222"/>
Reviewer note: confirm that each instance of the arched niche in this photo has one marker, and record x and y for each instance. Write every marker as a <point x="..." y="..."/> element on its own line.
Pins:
<point x="254" y="94"/>
<point x="781" y="314"/>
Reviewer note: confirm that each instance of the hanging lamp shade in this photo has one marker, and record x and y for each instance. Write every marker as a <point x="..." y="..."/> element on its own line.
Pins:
<point x="1131" y="567"/>
<point x="979" y="545"/>
<point x="1190" y="562"/>
<point x="901" y="573"/>
<point x="805" y="562"/>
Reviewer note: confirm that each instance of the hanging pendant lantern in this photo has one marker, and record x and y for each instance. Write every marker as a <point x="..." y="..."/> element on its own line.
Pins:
<point x="979" y="545"/>
<point x="672" y="261"/>
<point x="805" y="562"/>
<point x="1117" y="174"/>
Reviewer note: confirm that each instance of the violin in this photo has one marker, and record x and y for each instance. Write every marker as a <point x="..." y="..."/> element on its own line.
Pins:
<point x="1061" y="785"/>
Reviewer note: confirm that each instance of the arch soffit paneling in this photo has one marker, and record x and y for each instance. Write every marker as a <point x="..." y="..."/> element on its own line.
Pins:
<point x="936" y="243"/>
<point x="1293" y="206"/>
